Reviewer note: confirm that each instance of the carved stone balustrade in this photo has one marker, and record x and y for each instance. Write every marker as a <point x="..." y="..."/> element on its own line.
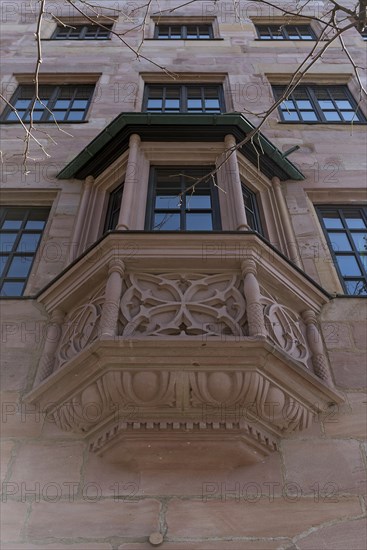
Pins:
<point x="174" y="340"/>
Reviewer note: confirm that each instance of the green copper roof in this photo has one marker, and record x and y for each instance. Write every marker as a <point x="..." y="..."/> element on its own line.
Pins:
<point x="114" y="140"/>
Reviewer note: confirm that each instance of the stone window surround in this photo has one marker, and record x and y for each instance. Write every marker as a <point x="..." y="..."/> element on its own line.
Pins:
<point x="186" y="78"/>
<point x="182" y="20"/>
<point x="320" y="79"/>
<point x="270" y="199"/>
<point x="49" y="28"/>
<point x="284" y="20"/>
<point x="31" y="198"/>
<point x="330" y="197"/>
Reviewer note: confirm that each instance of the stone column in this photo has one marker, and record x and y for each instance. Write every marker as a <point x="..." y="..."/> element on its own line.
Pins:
<point x="111" y="306"/>
<point x="75" y="245"/>
<point x="286" y="223"/>
<point x="316" y="346"/>
<point x="129" y="184"/>
<point x="235" y="184"/>
<point x="254" y="308"/>
<point x="53" y="335"/>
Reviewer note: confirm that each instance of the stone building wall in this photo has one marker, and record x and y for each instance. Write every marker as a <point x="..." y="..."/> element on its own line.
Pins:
<point x="311" y="494"/>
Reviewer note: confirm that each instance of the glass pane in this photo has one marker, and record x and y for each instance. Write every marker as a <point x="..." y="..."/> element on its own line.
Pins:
<point x="287" y="104"/>
<point x="155" y="103"/>
<point x="20" y="266"/>
<point x="167" y="202"/>
<point x="35" y="224"/>
<point x="355" y="222"/>
<point x="80" y="103"/>
<point x="7" y="241"/>
<point x="62" y="104"/>
<point x="198" y="201"/>
<point x="343" y="104"/>
<point x="37" y="115"/>
<point x="356" y="287"/>
<point x="13" y="117"/>
<point x="331" y="221"/>
<point x="28" y="242"/>
<point x="349" y="115"/>
<point x="75" y="115"/>
<point x="292" y="115"/>
<point x="332" y="115"/>
<point x="167" y="222"/>
<point x="59" y="115"/>
<point x="194" y="104"/>
<point x="348" y="265"/>
<point x="22" y="103"/>
<point x="12" y="289"/>
<point x="3" y="260"/>
<point x="340" y="242"/>
<point x="172" y="104"/>
<point x="360" y="241"/>
<point x="304" y="104"/>
<point x="326" y="104"/>
<point x="308" y="115"/>
<point x="13" y="219"/>
<point x="212" y="103"/>
<point x="199" y="222"/>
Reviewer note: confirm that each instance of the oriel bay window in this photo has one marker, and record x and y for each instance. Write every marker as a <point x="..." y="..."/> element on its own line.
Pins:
<point x="345" y="228"/>
<point x="183" y="99"/>
<point x="182" y="199"/>
<point x="20" y="232"/>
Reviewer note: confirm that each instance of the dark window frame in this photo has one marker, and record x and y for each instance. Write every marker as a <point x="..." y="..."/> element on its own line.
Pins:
<point x="183" y="31"/>
<point x="252" y="209"/>
<point x="311" y="96"/>
<point x="12" y="252"/>
<point x="54" y="95"/>
<point x="345" y="230"/>
<point x="83" y="31"/>
<point x="113" y="208"/>
<point x="283" y="32"/>
<point x="183" y="98"/>
<point x="151" y="209"/>
<point x="364" y="35"/>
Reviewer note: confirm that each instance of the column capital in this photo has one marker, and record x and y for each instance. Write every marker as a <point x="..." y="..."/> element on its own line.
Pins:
<point x="248" y="266"/>
<point x="134" y="140"/>
<point x="89" y="180"/>
<point x="116" y="265"/>
<point x="309" y="317"/>
<point x="230" y="141"/>
<point x="276" y="181"/>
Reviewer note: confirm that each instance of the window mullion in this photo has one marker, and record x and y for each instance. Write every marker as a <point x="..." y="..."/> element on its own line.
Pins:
<point x="315" y="103"/>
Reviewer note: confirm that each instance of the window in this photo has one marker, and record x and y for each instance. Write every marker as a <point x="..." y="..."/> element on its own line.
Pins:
<point x="318" y="104"/>
<point x="285" y="32"/>
<point x="345" y="228"/>
<point x="65" y="103"/>
<point x="183" y="32"/>
<point x="113" y="209"/>
<point x="175" y="203"/>
<point x="184" y="99"/>
<point x="252" y="211"/>
<point x="364" y="34"/>
<point x="82" y="32"/>
<point x="21" y="231"/>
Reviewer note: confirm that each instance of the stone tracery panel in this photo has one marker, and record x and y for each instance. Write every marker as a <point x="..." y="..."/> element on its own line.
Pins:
<point x="285" y="328"/>
<point x="80" y="327"/>
<point x="189" y="304"/>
